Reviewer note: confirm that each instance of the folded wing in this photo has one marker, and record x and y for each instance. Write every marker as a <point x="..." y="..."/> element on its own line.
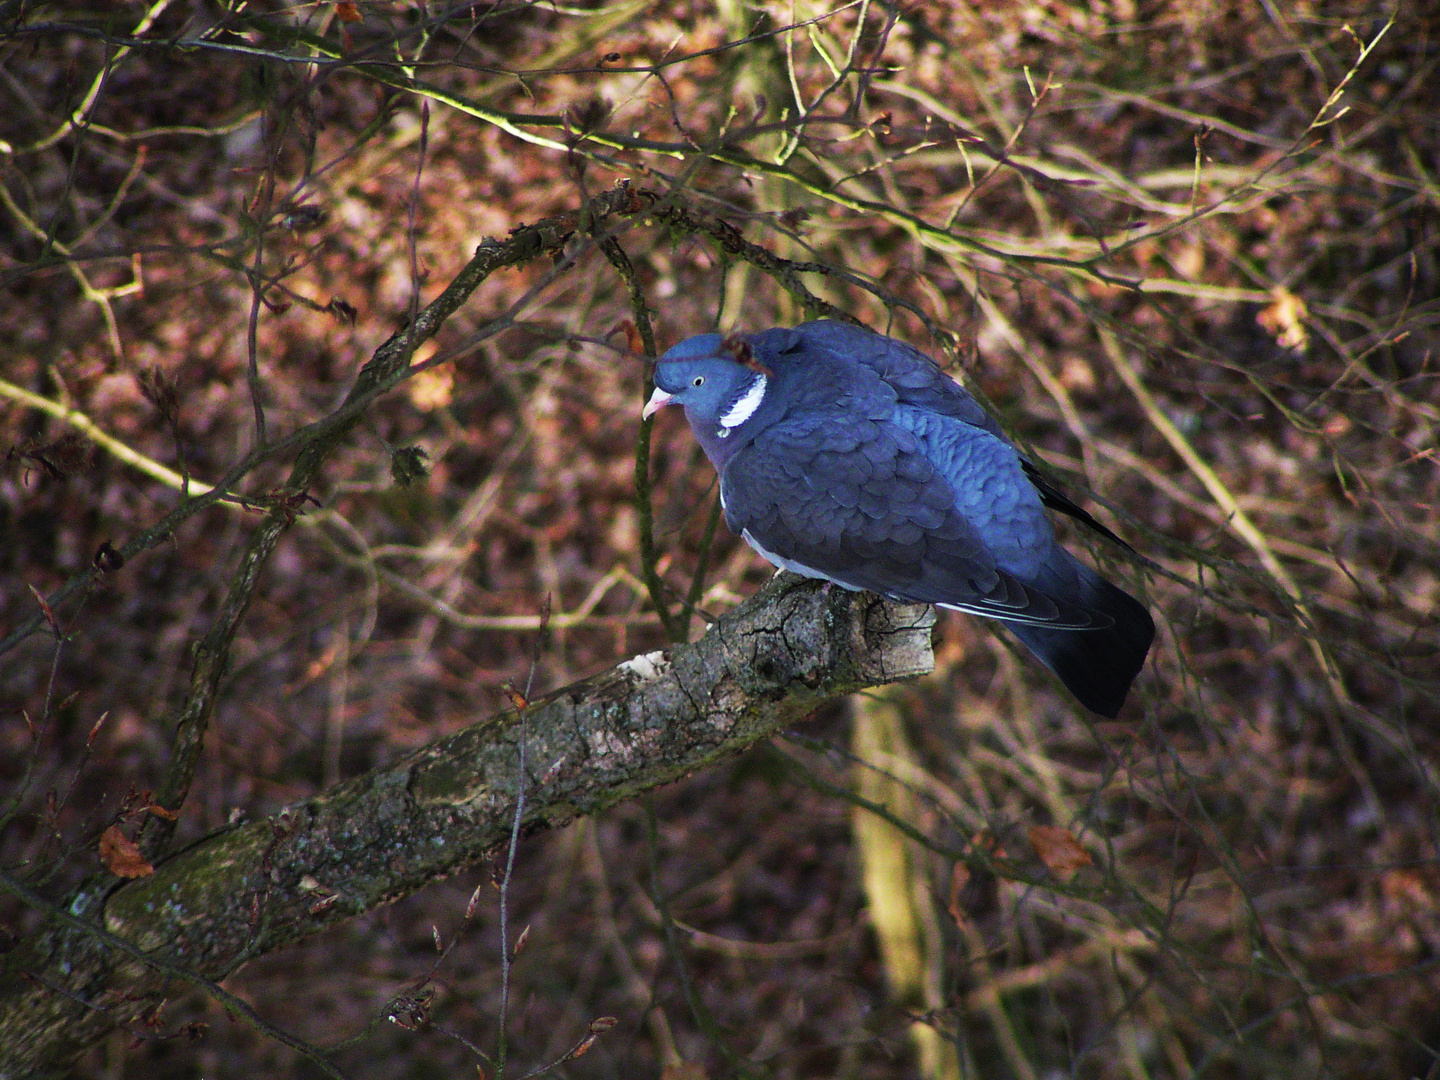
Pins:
<point x="860" y="504"/>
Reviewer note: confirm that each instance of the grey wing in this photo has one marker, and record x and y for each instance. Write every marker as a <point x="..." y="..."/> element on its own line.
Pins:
<point x="859" y="503"/>
<point x="918" y="381"/>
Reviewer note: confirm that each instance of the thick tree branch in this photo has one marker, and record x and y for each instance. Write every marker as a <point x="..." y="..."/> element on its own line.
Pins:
<point x="239" y="894"/>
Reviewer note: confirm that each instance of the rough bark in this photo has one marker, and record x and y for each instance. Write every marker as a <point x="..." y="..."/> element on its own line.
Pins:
<point x="249" y="890"/>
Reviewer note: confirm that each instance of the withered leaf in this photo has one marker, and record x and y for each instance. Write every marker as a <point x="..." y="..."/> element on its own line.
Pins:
<point x="1058" y="850"/>
<point x="121" y="855"/>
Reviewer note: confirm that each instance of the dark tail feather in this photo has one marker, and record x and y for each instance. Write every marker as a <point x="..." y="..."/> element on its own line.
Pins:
<point x="1097" y="666"/>
<point x="1056" y="499"/>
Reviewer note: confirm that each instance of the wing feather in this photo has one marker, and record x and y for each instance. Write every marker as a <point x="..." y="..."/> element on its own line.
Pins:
<point x="877" y="518"/>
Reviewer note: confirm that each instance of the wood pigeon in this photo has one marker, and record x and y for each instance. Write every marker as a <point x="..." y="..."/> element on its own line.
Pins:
<point x="851" y="457"/>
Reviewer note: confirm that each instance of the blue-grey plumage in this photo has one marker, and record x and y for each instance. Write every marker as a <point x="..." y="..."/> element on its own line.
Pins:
<point x="851" y="457"/>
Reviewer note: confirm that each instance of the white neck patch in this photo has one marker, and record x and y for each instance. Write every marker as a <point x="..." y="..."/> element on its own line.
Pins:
<point x="745" y="408"/>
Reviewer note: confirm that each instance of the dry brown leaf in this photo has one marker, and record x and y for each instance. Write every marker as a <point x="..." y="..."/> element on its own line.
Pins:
<point x="633" y="341"/>
<point x="1058" y="850"/>
<point x="1285" y="319"/>
<point x="958" y="880"/>
<point x="1408" y="889"/>
<point x="121" y="855"/>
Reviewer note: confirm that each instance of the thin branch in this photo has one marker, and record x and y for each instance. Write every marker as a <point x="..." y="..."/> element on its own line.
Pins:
<point x="644" y="504"/>
<point x="388" y="367"/>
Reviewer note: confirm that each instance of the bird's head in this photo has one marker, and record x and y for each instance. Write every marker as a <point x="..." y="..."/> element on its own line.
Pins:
<point x="719" y="384"/>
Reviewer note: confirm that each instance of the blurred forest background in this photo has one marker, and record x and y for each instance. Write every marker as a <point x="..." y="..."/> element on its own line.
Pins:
<point x="1187" y="250"/>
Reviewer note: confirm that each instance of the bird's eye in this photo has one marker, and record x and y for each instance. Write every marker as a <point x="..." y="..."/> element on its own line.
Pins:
<point x="699" y="380"/>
